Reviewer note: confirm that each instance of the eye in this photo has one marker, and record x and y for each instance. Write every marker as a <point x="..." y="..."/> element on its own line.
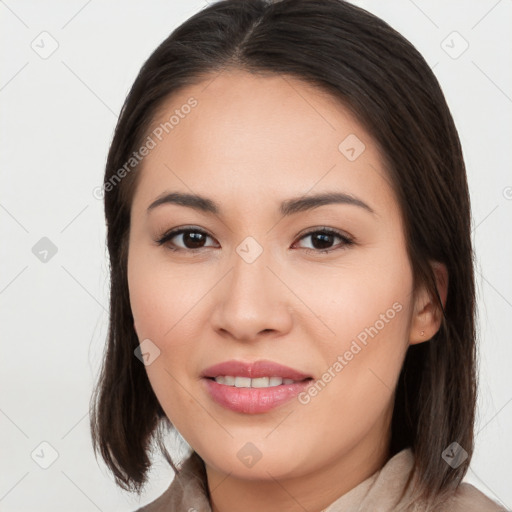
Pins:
<point x="322" y="238"/>
<point x="191" y="238"/>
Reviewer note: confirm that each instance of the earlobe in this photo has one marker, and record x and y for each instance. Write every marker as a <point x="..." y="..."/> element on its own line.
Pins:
<point x="427" y="316"/>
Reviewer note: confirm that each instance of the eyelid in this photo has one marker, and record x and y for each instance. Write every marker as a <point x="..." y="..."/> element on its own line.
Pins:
<point x="171" y="233"/>
<point x="322" y="229"/>
<point x="345" y="237"/>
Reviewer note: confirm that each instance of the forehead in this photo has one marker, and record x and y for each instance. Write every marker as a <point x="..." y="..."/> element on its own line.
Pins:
<point x="248" y="135"/>
<point x="239" y="110"/>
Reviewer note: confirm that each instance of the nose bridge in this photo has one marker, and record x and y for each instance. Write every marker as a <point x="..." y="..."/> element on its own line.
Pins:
<point x="253" y="299"/>
<point x="249" y="281"/>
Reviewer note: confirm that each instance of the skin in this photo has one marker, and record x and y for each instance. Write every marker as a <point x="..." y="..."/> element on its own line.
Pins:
<point x="250" y="143"/>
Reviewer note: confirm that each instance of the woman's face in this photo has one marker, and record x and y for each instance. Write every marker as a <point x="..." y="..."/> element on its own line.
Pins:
<point x="256" y="284"/>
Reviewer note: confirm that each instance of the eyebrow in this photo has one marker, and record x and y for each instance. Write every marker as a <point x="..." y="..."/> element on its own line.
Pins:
<point x="288" y="207"/>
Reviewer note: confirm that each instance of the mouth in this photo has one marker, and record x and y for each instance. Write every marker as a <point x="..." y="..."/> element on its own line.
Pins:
<point x="258" y="382"/>
<point x="262" y="369"/>
<point x="253" y="388"/>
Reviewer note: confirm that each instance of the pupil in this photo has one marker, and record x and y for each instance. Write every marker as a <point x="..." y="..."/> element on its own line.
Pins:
<point x="323" y="236"/>
<point x="195" y="239"/>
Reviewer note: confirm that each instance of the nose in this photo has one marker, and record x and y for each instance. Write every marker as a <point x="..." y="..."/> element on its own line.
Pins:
<point x="253" y="301"/>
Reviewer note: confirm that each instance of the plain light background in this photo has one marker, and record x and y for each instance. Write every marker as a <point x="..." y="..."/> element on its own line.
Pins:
<point x="58" y="113"/>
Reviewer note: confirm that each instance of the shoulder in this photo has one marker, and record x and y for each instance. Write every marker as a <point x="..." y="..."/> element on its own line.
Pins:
<point x="467" y="498"/>
<point x="187" y="491"/>
<point x="160" y="504"/>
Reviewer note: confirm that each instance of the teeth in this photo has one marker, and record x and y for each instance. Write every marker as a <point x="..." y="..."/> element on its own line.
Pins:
<point x="275" y="381"/>
<point x="242" y="382"/>
<point x="246" y="382"/>
<point x="262" y="382"/>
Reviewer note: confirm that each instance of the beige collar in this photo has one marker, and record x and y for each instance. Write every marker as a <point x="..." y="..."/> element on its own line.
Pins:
<point x="380" y="492"/>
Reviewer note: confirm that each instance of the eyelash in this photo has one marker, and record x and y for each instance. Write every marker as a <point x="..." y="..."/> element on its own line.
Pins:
<point x="347" y="241"/>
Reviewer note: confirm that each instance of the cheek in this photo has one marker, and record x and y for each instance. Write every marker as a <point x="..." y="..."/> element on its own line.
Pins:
<point x="161" y="295"/>
<point x="368" y="313"/>
<point x="364" y="300"/>
<point x="162" y="304"/>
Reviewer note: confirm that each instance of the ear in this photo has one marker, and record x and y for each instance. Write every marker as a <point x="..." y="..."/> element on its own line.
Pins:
<point x="427" y="315"/>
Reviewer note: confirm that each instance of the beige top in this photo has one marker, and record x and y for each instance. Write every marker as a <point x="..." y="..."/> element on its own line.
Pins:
<point x="378" y="493"/>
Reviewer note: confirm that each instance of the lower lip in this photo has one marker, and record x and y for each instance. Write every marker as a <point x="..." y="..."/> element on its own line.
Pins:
<point x="253" y="400"/>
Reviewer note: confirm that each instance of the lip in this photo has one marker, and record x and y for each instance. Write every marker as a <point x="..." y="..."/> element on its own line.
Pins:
<point x="262" y="368"/>
<point x="253" y="400"/>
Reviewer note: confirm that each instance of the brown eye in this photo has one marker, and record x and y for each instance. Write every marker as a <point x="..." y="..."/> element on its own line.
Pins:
<point x="323" y="239"/>
<point x="190" y="239"/>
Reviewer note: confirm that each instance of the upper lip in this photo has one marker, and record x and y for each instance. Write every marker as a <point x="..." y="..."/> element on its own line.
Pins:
<point x="253" y="370"/>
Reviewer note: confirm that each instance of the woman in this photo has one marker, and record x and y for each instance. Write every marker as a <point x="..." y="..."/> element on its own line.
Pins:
<point x="337" y="375"/>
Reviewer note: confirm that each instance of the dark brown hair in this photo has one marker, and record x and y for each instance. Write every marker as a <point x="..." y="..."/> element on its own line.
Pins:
<point x="374" y="71"/>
